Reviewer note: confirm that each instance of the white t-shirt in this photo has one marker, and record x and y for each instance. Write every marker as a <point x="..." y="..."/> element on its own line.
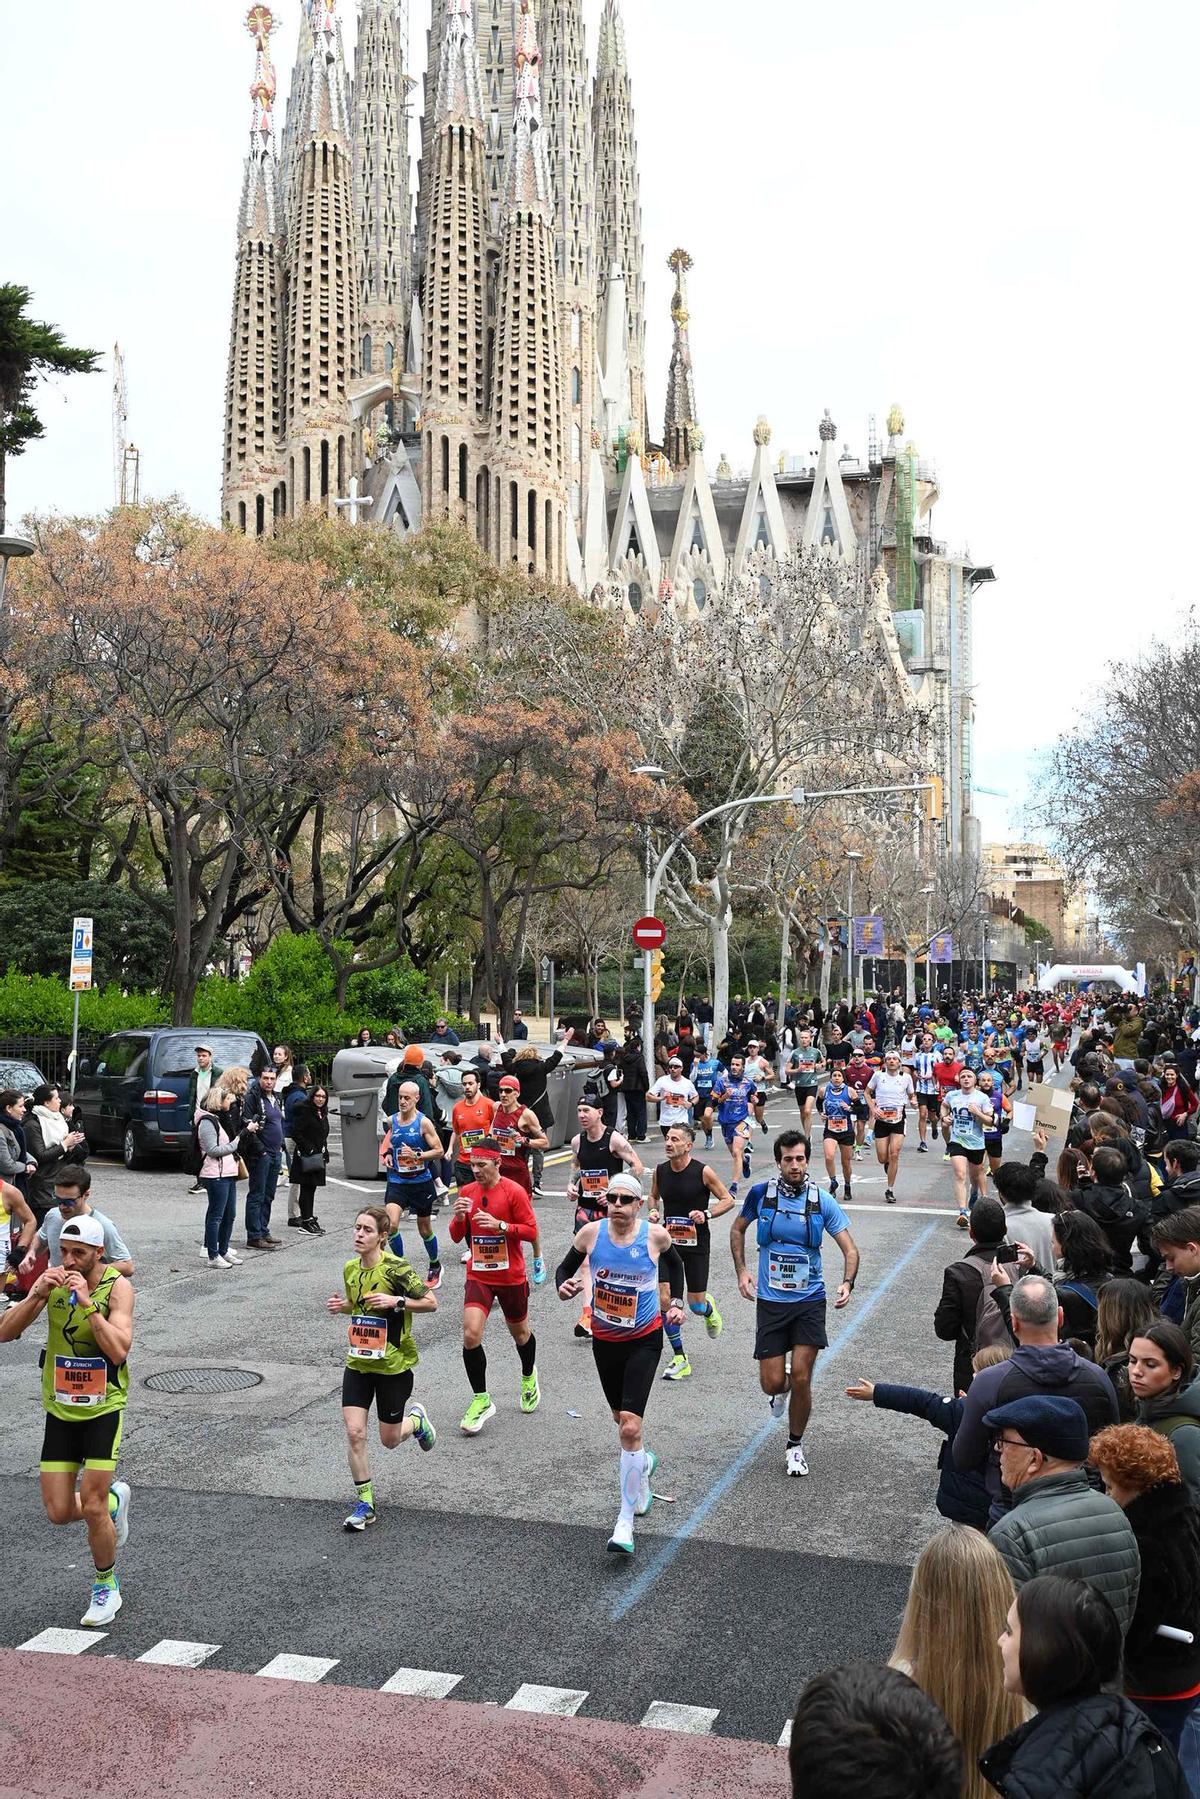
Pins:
<point x="676" y="1097"/>
<point x="891" y="1093"/>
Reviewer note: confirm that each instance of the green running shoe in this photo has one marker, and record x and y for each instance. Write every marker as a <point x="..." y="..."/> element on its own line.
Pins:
<point x="423" y="1429"/>
<point x="714" y="1324"/>
<point x="678" y="1368"/>
<point x="477" y="1415"/>
<point x="531" y="1393"/>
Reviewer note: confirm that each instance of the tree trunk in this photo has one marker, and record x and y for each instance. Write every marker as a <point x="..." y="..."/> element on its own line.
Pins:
<point x="718" y="931"/>
<point x="910" y="976"/>
<point x="826" y="970"/>
<point x="785" y="951"/>
<point x="594" y="973"/>
<point x="621" y="987"/>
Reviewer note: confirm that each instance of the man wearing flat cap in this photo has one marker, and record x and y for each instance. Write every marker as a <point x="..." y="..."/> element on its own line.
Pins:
<point x="1059" y="1524"/>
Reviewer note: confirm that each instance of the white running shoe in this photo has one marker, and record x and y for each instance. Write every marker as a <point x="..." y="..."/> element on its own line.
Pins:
<point x="233" y="1258"/>
<point x="778" y="1403"/>
<point x="121" y="1515"/>
<point x="646" y="1497"/>
<point x="621" y="1541"/>
<point x="218" y="1262"/>
<point x="796" y="1464"/>
<point x="106" y="1603"/>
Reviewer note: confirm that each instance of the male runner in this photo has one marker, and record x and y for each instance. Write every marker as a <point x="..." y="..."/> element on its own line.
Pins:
<point x="946" y="1069"/>
<point x="85" y="1383"/>
<point x="805" y="1062"/>
<point x="858" y="1073"/>
<point x="410" y="1151"/>
<point x="836" y="1104"/>
<point x="929" y="1098"/>
<point x="685" y="1195"/>
<point x="17" y="1227"/>
<point x="705" y="1070"/>
<point x="889" y="1093"/>
<point x="735" y="1094"/>
<point x="762" y="1074"/>
<point x="674" y="1096"/>
<point x="631" y="1262"/>
<point x="1035" y="1053"/>
<point x="598" y="1152"/>
<point x="495" y="1215"/>
<point x="517" y="1128"/>
<point x="998" y="1094"/>
<point x="470" y="1121"/>
<point x="72" y="1184"/>
<point x="791" y="1215"/>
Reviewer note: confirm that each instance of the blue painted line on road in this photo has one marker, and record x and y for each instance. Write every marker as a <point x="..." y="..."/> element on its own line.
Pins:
<point x="663" y="1557"/>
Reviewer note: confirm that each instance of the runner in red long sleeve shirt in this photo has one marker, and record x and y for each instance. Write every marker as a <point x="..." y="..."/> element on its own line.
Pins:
<point x="496" y="1216"/>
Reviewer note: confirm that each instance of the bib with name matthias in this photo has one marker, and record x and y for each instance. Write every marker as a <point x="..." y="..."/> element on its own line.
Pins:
<point x="78" y="1380"/>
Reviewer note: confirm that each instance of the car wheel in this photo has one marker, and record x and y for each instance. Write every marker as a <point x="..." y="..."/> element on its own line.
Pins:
<point x="131" y="1155"/>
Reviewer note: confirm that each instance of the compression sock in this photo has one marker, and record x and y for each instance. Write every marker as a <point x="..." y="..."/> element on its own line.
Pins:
<point x="633" y="1464"/>
<point x="432" y="1249"/>
<point x="475" y="1363"/>
<point x="674" y="1334"/>
<point x="364" y="1490"/>
<point x="396" y="1244"/>
<point x="701" y="1307"/>
<point x="528" y="1354"/>
<point x="105" y="1577"/>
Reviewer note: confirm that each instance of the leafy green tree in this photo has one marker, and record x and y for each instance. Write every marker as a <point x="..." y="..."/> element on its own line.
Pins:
<point x="29" y="348"/>
<point x="132" y="939"/>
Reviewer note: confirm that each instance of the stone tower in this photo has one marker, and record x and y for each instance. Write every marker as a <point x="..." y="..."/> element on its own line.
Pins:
<point x="382" y="200"/>
<point x="681" y="435"/>
<point x="454" y="371"/>
<point x="323" y="322"/>
<point x="568" y="129"/>
<point x="528" y="488"/>
<point x="618" y="195"/>
<point x="250" y="493"/>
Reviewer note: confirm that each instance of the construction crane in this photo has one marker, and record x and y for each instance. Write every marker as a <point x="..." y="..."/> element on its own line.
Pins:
<point x="126" y="457"/>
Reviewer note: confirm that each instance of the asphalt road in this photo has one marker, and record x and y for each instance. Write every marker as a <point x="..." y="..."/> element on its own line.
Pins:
<point x="488" y="1565"/>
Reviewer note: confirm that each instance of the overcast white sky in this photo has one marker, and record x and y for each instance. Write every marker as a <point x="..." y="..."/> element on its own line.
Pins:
<point x="981" y="208"/>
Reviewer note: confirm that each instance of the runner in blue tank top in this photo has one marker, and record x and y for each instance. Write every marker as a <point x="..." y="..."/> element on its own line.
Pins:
<point x="410" y="1152"/>
<point x="631" y="1264"/>
<point x="791" y="1214"/>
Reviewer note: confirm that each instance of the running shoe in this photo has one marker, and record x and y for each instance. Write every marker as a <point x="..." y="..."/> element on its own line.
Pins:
<point x="746" y="1166"/>
<point x="584" y="1326"/>
<point x="423" y="1429"/>
<point x="764" y="1127"/>
<point x="889" y="1194"/>
<point x="849" y="1194"/>
<point x="477" y="1415"/>
<point x="678" y="1368"/>
<point x="646" y="1497"/>
<point x="539" y="1271"/>
<point x="433" y="1279"/>
<point x="962" y="1221"/>
<point x="833" y="1186"/>
<point x="868" y="1136"/>
<point x="708" y="1142"/>
<point x="733" y="1187"/>
<point x="796" y="1464"/>
<point x="858" y="1152"/>
<point x="946" y="1157"/>
<point x="621" y="1541"/>
<point x="120" y="1518"/>
<point x="778" y="1404"/>
<point x="922" y="1149"/>
<point x="714" y="1324"/>
<point x="106" y="1603"/>
<point x="531" y="1393"/>
<point x="538" y="1194"/>
<point x="233" y="1258"/>
<point x="362" y="1515"/>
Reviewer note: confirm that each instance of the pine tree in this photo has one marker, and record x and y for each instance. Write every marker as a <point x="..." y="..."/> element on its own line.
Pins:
<point x="28" y="348"/>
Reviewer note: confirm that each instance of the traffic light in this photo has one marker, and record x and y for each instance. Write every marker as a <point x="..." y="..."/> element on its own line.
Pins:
<point x="656" y="974"/>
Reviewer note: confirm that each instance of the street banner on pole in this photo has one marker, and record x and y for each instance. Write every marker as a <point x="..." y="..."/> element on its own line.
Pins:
<point x="941" y="947"/>
<point x="868" y="934"/>
<point x="81" y="955"/>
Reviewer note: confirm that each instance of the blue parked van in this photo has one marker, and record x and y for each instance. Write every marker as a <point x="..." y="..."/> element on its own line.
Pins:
<point x="133" y="1091"/>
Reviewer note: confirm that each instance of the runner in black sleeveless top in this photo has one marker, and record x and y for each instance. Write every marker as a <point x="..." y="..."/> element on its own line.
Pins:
<point x="599" y="1153"/>
<point x="685" y="1194"/>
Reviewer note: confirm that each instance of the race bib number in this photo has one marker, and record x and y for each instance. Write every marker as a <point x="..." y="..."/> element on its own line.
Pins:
<point x="368" y="1337"/>
<point x="787" y="1271"/>
<point x="408" y="1158"/>
<point x="510" y="1141"/>
<point x="616" y="1306"/>
<point x="888" y="1114"/>
<point x="80" y="1380"/>
<point x="837" y="1125"/>
<point x="684" y="1232"/>
<point x="469" y="1139"/>
<point x="593" y="1184"/>
<point x="489" y="1252"/>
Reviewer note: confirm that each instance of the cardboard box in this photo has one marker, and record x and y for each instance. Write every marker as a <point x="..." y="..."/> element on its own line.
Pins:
<point x="1053" y="1108"/>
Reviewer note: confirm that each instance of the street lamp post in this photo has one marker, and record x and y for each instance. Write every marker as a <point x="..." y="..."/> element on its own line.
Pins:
<point x="852" y="856"/>
<point x="929" y="892"/>
<point x="11" y="550"/>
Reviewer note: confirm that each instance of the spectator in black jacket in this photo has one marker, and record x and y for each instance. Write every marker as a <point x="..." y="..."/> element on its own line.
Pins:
<point x="533" y="1071"/>
<point x="960" y="1496"/>
<point x="962" y="1286"/>
<point x="309" y="1123"/>
<point x="1108" y="1199"/>
<point x="635" y="1084"/>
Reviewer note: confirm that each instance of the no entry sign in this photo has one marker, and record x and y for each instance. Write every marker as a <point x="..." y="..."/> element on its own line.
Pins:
<point x="649" y="933"/>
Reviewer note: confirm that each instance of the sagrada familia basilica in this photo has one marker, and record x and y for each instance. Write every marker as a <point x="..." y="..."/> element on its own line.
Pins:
<point x="480" y="355"/>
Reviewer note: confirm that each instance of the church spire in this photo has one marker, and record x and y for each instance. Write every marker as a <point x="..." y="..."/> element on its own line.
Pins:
<point x="381" y="190"/>
<point x="323" y="324"/>
<point x="253" y="423"/>
<point x="454" y="372"/>
<point x="527" y="399"/>
<point x="618" y="194"/>
<point x="573" y="183"/>
<point x="680" y="431"/>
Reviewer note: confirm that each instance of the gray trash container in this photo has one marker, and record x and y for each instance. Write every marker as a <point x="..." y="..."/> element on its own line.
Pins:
<point x="359" y="1079"/>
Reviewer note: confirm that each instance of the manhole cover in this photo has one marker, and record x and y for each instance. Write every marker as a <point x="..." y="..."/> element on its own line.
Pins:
<point x="202" y="1380"/>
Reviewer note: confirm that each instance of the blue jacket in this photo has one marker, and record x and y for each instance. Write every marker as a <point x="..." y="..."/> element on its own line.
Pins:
<point x="962" y="1495"/>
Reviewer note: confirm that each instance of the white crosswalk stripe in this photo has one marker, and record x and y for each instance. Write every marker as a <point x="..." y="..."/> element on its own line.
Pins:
<point x="696" y="1720"/>
<point x="785" y="1736"/>
<point x="421" y="1683"/>
<point x="560" y="1702"/>
<point x="174" y="1652"/>
<point x="297" y="1667"/>
<point x="64" y="1642"/>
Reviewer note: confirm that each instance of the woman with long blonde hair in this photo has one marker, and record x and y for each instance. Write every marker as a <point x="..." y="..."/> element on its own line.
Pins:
<point x="958" y="1600"/>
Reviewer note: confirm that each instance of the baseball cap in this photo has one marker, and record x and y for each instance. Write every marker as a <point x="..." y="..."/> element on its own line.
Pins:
<point x="83" y="1230"/>
<point x="1047" y="1421"/>
<point x="511" y="1082"/>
